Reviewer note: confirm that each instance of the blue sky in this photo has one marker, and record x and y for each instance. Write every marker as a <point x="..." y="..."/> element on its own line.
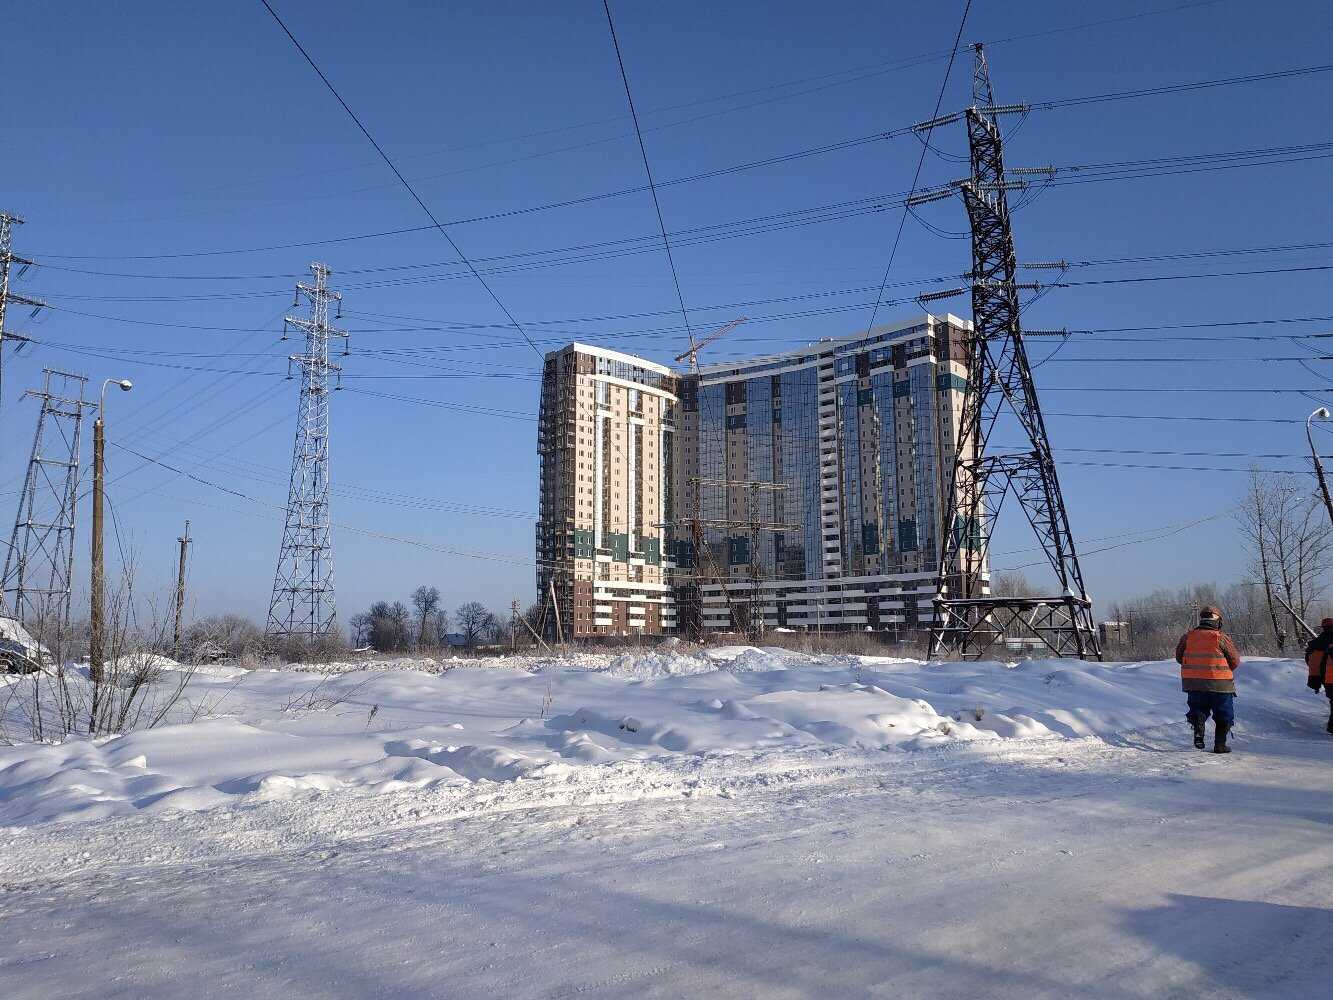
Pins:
<point x="144" y="139"/>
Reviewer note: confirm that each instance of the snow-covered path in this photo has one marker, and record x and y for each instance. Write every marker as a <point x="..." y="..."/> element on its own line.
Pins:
<point x="1035" y="868"/>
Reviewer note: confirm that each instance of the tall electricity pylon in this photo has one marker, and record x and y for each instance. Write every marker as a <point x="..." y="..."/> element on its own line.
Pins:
<point x="303" y="598"/>
<point x="39" y="565"/>
<point x="969" y="620"/>
<point x="7" y="259"/>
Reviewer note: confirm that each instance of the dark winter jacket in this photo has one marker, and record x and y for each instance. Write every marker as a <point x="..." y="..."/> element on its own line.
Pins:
<point x="1318" y="659"/>
<point x="1208" y="659"/>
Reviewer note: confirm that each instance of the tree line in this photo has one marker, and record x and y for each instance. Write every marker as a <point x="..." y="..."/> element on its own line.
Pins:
<point x="394" y="627"/>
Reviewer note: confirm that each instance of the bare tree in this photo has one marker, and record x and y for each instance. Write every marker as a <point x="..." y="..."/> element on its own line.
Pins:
<point x="1012" y="583"/>
<point x="360" y="625"/>
<point x="473" y="622"/>
<point x="231" y="636"/>
<point x="427" y="601"/>
<point x="389" y="626"/>
<point x="500" y="628"/>
<point x="1288" y="538"/>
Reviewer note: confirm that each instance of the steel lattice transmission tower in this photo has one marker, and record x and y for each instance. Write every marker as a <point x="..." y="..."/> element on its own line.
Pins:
<point x="303" y="597"/>
<point x="39" y="565"/>
<point x="7" y="297"/>
<point x="968" y="620"/>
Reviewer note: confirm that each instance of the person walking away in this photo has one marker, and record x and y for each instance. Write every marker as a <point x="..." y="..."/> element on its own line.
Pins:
<point x="1208" y="660"/>
<point x="1317" y="656"/>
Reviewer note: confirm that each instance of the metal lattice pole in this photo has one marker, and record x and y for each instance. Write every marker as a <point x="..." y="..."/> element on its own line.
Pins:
<point x="39" y="565"/>
<point x="7" y="260"/>
<point x="1000" y="381"/>
<point x="303" y="596"/>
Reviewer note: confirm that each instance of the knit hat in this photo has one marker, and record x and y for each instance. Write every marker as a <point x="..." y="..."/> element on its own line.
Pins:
<point x="1326" y="623"/>
<point x="1210" y="614"/>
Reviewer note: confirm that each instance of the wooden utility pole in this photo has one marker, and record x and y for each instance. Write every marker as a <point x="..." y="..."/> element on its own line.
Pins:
<point x="97" y="634"/>
<point x="184" y="541"/>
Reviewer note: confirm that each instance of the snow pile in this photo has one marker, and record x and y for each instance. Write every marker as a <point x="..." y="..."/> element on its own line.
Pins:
<point x="643" y="666"/>
<point x="260" y="735"/>
<point x="424" y="664"/>
<point x="11" y="631"/>
<point x="133" y="663"/>
<point x="860" y="715"/>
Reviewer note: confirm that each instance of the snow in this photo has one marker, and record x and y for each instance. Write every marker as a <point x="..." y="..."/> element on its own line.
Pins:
<point x="12" y="631"/>
<point x="730" y="823"/>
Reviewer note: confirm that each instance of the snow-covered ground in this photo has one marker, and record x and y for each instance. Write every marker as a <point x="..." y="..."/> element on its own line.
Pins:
<point x="738" y="824"/>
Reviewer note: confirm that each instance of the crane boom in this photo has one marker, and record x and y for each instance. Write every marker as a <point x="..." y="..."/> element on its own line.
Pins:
<point x="692" y="354"/>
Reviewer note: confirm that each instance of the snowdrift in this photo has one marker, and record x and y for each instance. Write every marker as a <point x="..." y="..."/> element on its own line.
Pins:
<point x="285" y="734"/>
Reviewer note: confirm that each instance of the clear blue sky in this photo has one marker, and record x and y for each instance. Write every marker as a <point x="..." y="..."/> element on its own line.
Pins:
<point x="159" y="129"/>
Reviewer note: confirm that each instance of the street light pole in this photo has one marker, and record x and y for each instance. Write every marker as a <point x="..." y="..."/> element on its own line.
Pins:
<point x="1319" y="414"/>
<point x="96" y="637"/>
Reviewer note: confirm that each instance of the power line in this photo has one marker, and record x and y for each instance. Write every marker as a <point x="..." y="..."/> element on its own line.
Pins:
<point x="1101" y="23"/>
<point x="1084" y="173"/>
<point x="648" y="170"/>
<point x="1176" y="416"/>
<point x="755" y="320"/>
<point x="774" y="160"/>
<point x="631" y="246"/>
<point x="851" y="75"/>
<point x="921" y="162"/>
<point x="401" y="179"/>
<point x="445" y="404"/>
<point x="1185" y="454"/>
<point x="1179" y="88"/>
<point x="1185" y="468"/>
<point x="1127" y="534"/>
<point x="493" y="557"/>
<point x="1121" y="545"/>
<point x="271" y="476"/>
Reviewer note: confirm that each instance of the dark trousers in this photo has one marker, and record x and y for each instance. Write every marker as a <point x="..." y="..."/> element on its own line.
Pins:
<point x="1205" y="703"/>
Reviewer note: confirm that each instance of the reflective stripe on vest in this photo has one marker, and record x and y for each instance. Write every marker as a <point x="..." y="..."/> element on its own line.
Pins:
<point x="1204" y="659"/>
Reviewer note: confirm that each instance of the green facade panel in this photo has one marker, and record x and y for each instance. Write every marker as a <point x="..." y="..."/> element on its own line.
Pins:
<point x="618" y="543"/>
<point x="583" y="538"/>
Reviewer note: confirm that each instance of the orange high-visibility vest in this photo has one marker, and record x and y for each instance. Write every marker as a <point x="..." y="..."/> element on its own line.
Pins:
<point x="1203" y="659"/>
<point x="1317" y="662"/>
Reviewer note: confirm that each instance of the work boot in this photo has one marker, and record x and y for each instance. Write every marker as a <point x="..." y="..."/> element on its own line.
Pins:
<point x="1220" y="742"/>
<point x="1199" y="722"/>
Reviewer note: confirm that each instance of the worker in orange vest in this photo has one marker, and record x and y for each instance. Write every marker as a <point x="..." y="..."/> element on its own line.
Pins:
<point x="1208" y="660"/>
<point x="1319" y="662"/>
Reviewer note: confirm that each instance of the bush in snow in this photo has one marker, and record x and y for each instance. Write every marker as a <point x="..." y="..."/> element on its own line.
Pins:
<point x="135" y="687"/>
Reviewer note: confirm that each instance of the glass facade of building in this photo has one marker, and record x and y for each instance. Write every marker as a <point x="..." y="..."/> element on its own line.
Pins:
<point x="820" y="476"/>
<point x="832" y="464"/>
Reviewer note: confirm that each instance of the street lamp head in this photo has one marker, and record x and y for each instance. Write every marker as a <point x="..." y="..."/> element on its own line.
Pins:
<point x="126" y="385"/>
<point x="1321" y="413"/>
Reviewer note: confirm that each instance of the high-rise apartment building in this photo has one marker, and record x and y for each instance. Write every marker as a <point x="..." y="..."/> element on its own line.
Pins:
<point x="820" y="477"/>
<point x="605" y="444"/>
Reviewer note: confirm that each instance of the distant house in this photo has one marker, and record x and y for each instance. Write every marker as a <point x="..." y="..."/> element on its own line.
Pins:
<point x="455" y="640"/>
<point x="1115" y="633"/>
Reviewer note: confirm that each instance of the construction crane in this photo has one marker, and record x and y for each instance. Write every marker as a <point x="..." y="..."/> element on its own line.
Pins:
<point x="702" y="555"/>
<point x="692" y="355"/>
